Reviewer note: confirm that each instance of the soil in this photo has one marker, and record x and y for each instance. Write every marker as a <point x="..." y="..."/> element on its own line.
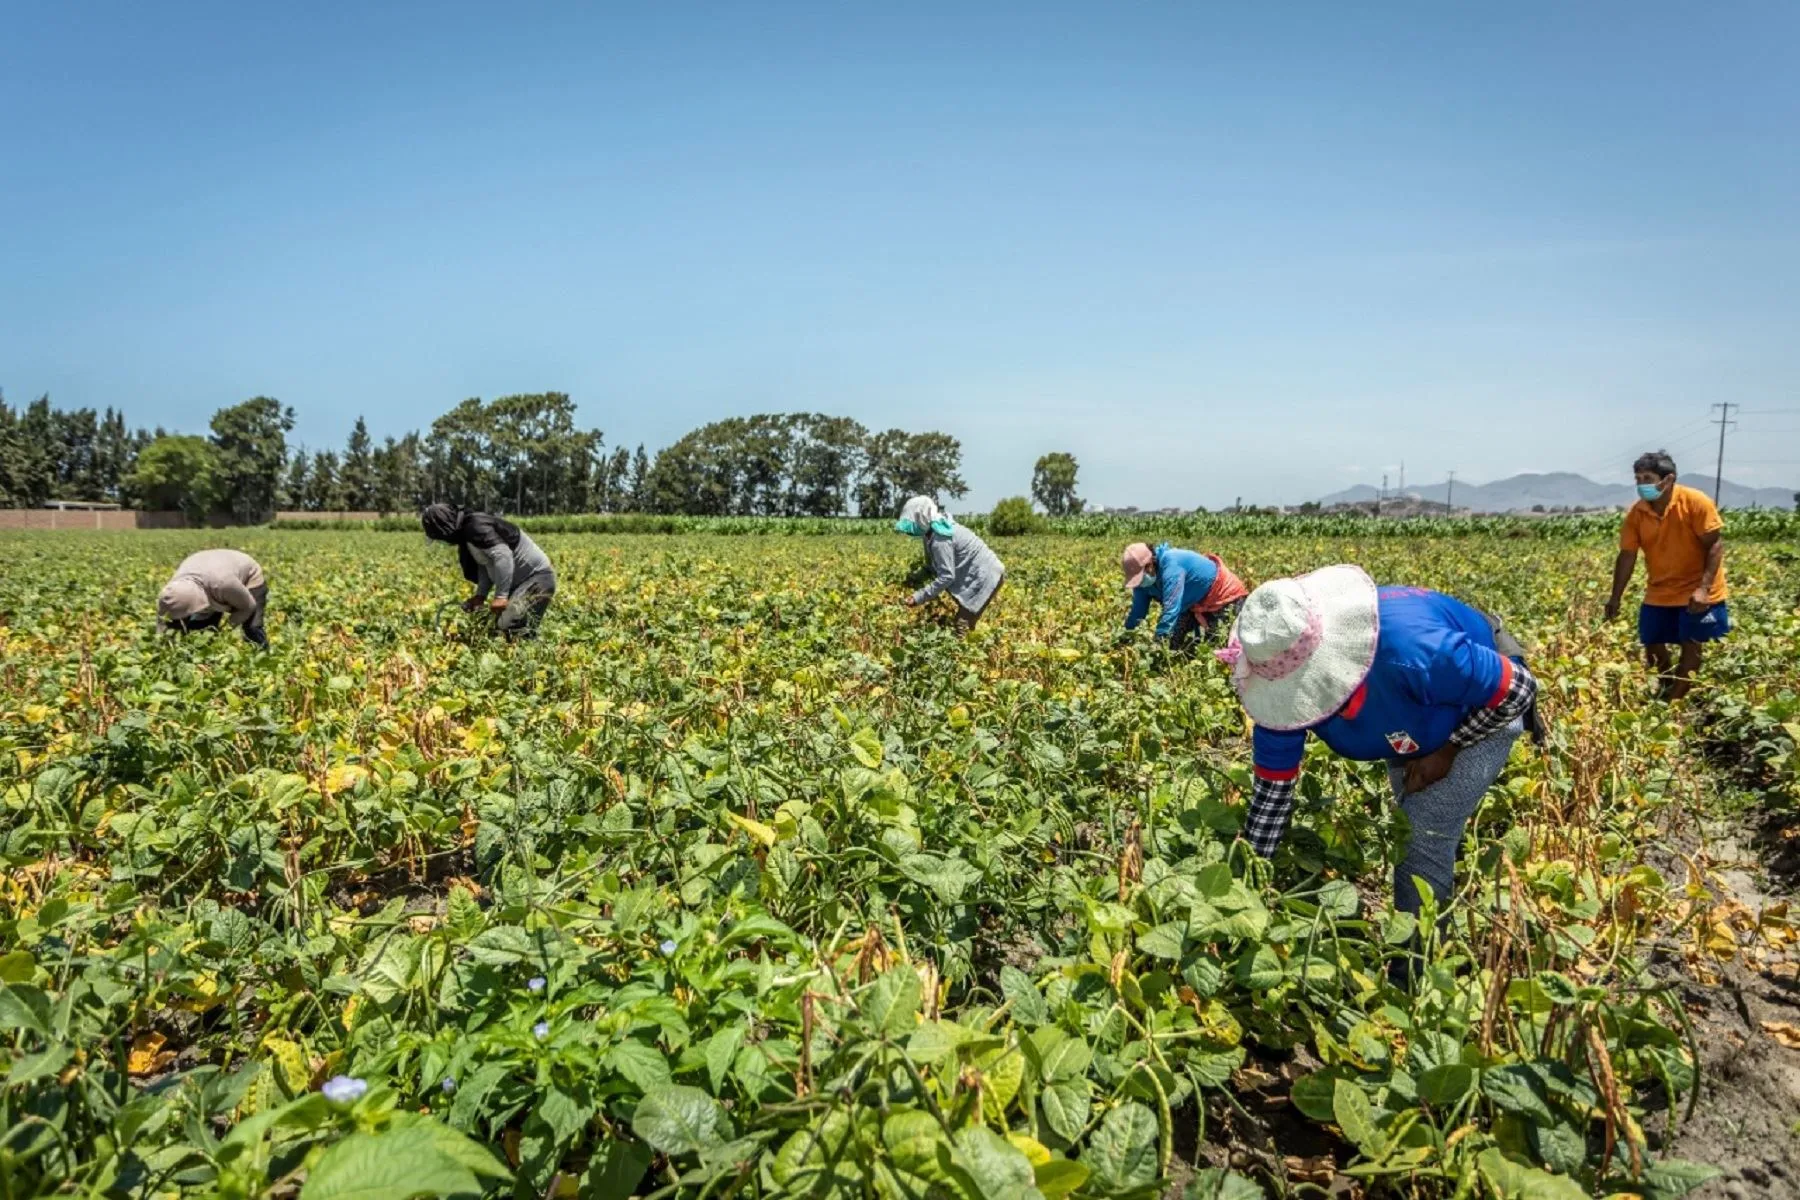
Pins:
<point x="1747" y="1117"/>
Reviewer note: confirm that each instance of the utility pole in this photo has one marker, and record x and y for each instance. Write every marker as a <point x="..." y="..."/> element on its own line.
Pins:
<point x="1382" y="494"/>
<point x="1403" y="477"/>
<point x="1722" y="420"/>
<point x="1450" y="496"/>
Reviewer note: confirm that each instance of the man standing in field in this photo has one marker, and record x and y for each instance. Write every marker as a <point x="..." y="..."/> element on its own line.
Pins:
<point x="1679" y="530"/>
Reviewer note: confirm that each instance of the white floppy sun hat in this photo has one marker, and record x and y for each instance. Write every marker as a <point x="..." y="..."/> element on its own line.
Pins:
<point x="1302" y="646"/>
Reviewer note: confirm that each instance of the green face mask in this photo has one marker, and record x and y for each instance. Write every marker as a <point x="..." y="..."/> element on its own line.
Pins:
<point x="906" y="527"/>
<point x="942" y="527"/>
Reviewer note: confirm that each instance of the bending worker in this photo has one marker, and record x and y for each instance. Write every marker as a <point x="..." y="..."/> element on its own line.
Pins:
<point x="1401" y="675"/>
<point x="1198" y="593"/>
<point x="216" y="586"/>
<point x="961" y="563"/>
<point x="499" y="558"/>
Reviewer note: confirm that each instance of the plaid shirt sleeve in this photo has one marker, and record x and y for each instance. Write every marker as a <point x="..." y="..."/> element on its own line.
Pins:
<point x="1517" y="692"/>
<point x="1271" y="807"/>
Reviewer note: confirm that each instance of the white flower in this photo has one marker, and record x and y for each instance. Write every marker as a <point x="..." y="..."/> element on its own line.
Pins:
<point x="541" y="1029"/>
<point x="342" y="1089"/>
<point x="535" y="983"/>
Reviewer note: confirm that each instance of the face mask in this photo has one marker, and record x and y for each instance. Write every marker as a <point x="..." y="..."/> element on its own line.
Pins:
<point x="906" y="527"/>
<point x="942" y="527"/>
<point x="1649" y="491"/>
<point x="1149" y="579"/>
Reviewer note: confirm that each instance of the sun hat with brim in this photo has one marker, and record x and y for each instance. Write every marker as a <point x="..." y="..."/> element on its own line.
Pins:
<point x="1136" y="562"/>
<point x="1301" y="647"/>
<point x="180" y="599"/>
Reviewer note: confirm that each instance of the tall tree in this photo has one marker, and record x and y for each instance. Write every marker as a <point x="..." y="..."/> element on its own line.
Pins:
<point x="250" y="440"/>
<point x="618" y="481"/>
<point x="358" y="473"/>
<point x="1053" y="484"/>
<point x="178" y="473"/>
<point x="399" y="475"/>
<point x="293" y="486"/>
<point x="640" y="481"/>
<point x="324" y="485"/>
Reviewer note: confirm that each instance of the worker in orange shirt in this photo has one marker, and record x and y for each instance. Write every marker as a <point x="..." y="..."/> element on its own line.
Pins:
<point x="1681" y="535"/>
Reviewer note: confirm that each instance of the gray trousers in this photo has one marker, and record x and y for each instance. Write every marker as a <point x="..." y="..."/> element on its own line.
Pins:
<point x="525" y="607"/>
<point x="1440" y="812"/>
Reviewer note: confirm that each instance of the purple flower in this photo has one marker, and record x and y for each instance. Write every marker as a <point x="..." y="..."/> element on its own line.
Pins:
<point x="447" y="1086"/>
<point x="535" y="983"/>
<point x="541" y="1029"/>
<point x="668" y="947"/>
<point x="342" y="1089"/>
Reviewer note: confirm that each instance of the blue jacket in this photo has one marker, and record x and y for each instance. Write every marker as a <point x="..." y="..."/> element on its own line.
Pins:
<point x="1183" y="578"/>
<point x="1435" y="662"/>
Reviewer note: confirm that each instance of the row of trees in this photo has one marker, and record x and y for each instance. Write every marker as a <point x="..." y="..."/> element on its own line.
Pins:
<point x="522" y="455"/>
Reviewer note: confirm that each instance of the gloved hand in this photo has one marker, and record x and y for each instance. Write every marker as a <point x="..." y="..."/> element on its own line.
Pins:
<point x="472" y="603"/>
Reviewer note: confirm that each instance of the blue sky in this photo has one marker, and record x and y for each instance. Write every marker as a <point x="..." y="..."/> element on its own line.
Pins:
<point x="1213" y="251"/>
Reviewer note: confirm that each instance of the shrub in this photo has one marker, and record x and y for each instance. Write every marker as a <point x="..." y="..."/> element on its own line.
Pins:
<point x="1013" y="516"/>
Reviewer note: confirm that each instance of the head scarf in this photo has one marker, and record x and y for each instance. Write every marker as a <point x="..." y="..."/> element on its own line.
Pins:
<point x="922" y="513"/>
<point x="463" y="529"/>
<point x="440" y="522"/>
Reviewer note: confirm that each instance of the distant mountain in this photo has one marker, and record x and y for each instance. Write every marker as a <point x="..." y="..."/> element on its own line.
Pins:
<point x="1560" y="489"/>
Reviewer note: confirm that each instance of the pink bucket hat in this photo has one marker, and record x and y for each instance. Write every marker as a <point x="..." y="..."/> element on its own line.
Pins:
<point x="1301" y="646"/>
<point x="1137" y="561"/>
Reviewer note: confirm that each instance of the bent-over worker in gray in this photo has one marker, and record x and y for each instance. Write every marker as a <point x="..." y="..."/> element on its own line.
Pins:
<point x="498" y="558"/>
<point x="961" y="563"/>
<point x="216" y="586"/>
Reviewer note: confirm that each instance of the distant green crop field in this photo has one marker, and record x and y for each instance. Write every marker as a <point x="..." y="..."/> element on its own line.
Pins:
<point x="744" y="878"/>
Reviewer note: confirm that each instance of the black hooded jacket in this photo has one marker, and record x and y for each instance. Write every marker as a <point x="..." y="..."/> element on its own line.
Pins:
<point x="462" y="529"/>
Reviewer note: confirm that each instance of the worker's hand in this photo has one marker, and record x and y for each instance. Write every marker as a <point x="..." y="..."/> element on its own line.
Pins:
<point x="1699" y="603"/>
<point x="1421" y="773"/>
<point x="472" y="603"/>
<point x="1612" y="609"/>
<point x="497" y="603"/>
<point x="909" y="601"/>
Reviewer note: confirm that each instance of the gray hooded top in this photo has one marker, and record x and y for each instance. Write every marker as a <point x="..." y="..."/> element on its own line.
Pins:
<point x="961" y="563"/>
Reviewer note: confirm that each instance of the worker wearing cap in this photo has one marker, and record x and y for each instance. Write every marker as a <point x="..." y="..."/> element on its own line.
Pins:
<point x="216" y="586"/>
<point x="1198" y="593"/>
<point x="961" y="563"/>
<point x="1402" y="675"/>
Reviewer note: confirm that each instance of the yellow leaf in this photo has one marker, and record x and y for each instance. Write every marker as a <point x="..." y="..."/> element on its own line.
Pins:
<point x="1036" y="1151"/>
<point x="755" y="829"/>
<point x="1788" y="1035"/>
<point x="147" y="1054"/>
<point x="290" y="1066"/>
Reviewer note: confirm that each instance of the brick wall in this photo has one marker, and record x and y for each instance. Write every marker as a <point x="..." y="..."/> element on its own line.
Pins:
<point x="103" y="520"/>
<point x="329" y="516"/>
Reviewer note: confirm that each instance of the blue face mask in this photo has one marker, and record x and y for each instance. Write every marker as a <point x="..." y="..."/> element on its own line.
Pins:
<point x="1649" y="491"/>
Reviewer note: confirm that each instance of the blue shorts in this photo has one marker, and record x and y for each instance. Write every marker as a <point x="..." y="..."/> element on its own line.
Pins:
<point x="1667" y="624"/>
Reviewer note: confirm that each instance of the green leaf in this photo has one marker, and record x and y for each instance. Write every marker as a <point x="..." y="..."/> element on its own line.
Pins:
<point x="24" y="1007"/>
<point x="721" y="1052"/>
<point x="1516" y="1088"/>
<point x="866" y="746"/>
<point x="1216" y="1183"/>
<point x="501" y="946"/>
<point x="946" y="875"/>
<point x="1066" y="1105"/>
<point x="562" y="1114"/>
<point x="1338" y="897"/>
<point x="1446" y="1083"/>
<point x="17" y="967"/>
<point x="1351" y="1109"/>
<point x="935" y="1040"/>
<point x="400" y="1163"/>
<point x="891" y="1005"/>
<point x="1313" y="1094"/>
<point x="1121" y="1154"/>
<point x="643" y="1065"/>
<point x="1259" y="969"/>
<point x="1517" y="1181"/>
<point x="1028" y="1007"/>
<point x="912" y="1138"/>
<point x="1164" y="941"/>
<point x="678" y="1119"/>
<point x="1672" y="1178"/>
<point x="1059" y="1177"/>
<point x="615" y="1170"/>
<point x="1399" y="928"/>
<point x="998" y="1169"/>
<point x="1058" y="1055"/>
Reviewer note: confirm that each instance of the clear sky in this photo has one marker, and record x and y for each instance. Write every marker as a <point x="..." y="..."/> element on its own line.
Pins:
<point x="1256" y="250"/>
